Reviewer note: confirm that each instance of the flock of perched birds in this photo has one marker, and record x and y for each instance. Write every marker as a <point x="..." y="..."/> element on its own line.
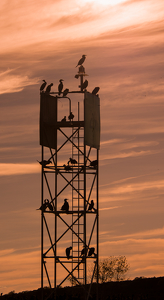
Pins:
<point x="70" y="117"/>
<point x="67" y="167"/>
<point x="66" y="91"/>
<point x="48" y="88"/>
<point x="86" y="250"/>
<point x="65" y="206"/>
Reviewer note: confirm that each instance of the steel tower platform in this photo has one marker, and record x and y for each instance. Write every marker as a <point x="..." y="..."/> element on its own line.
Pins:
<point x="69" y="188"/>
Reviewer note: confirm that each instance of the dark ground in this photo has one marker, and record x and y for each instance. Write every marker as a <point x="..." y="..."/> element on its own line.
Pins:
<point x="138" y="289"/>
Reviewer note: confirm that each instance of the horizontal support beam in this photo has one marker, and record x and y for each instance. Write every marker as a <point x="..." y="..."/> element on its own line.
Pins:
<point x="70" y="124"/>
<point x="68" y="261"/>
<point x="70" y="212"/>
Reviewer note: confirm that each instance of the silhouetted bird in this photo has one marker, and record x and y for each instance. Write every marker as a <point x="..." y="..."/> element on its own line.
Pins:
<point x="49" y="205"/>
<point x="65" y="206"/>
<point x="71" y="116"/>
<point x="65" y="92"/>
<point x="43" y="85"/>
<point x="76" y="76"/>
<point x="94" y="163"/>
<point x="44" y="205"/>
<point x="64" y="119"/>
<point x="91" y="251"/>
<point x="81" y="60"/>
<point x="48" y="89"/>
<point x="45" y="162"/>
<point x="60" y="86"/>
<point x="67" y="168"/>
<point x="91" y="205"/>
<point x="95" y="91"/>
<point x="68" y="250"/>
<point x="72" y="161"/>
<point x="84" y="251"/>
<point x="84" y="85"/>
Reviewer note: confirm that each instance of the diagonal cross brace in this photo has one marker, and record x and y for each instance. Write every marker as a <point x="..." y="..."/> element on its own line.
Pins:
<point x="63" y="233"/>
<point x="48" y="233"/>
<point x="70" y="273"/>
<point x="69" y="183"/>
<point x="71" y="229"/>
<point x="52" y="155"/>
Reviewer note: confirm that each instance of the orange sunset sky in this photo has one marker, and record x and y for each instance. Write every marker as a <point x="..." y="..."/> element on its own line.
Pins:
<point x="124" y="44"/>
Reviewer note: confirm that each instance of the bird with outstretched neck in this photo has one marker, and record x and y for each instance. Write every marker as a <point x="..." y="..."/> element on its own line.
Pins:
<point x="43" y="85"/>
<point x="60" y="86"/>
<point x="81" y="61"/>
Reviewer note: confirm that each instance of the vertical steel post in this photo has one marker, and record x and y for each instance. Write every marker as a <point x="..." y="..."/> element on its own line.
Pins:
<point x="97" y="221"/>
<point x="42" y="155"/>
<point x="55" y="262"/>
<point x="81" y="82"/>
<point x="85" y="269"/>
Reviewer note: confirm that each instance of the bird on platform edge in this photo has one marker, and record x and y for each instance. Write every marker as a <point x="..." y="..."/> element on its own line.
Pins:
<point x="60" y="86"/>
<point x="48" y="89"/>
<point x="43" y="85"/>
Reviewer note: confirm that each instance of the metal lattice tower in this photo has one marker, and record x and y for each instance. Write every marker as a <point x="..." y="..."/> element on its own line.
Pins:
<point x="70" y="164"/>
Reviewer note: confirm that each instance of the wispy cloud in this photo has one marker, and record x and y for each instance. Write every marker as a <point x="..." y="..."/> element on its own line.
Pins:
<point x="108" y="208"/>
<point x="12" y="83"/>
<point x="17" y="169"/>
<point x="16" y="268"/>
<point x="129" y="154"/>
<point x="65" y="20"/>
<point x="135" y="187"/>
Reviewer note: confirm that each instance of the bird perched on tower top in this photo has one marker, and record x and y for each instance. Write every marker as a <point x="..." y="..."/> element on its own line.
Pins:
<point x="48" y="89"/>
<point x="65" y="92"/>
<point x="95" y="91"/>
<point x="84" y="85"/>
<point x="60" y="86"/>
<point x="43" y="85"/>
<point x="81" y="60"/>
